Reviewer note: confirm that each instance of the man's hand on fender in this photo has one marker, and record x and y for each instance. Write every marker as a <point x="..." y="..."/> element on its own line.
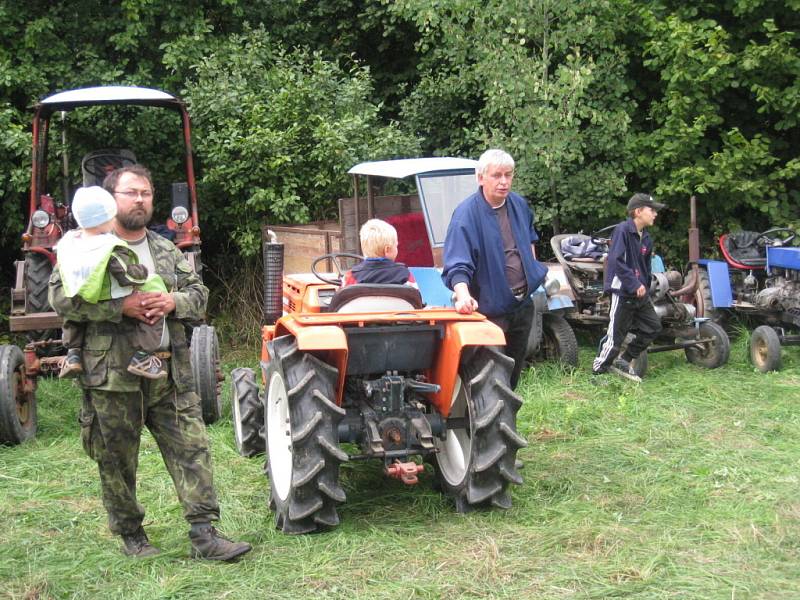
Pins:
<point x="464" y="302"/>
<point x="148" y="307"/>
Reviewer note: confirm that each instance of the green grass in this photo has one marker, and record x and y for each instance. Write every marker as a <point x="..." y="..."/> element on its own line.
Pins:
<point x="685" y="486"/>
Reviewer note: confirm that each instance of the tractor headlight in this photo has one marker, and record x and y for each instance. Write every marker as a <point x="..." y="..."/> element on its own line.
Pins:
<point x="552" y="285"/>
<point x="180" y="215"/>
<point x="40" y="219"/>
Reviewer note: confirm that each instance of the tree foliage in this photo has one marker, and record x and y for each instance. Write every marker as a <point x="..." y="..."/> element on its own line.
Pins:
<point x="542" y="80"/>
<point x="595" y="99"/>
<point x="278" y="131"/>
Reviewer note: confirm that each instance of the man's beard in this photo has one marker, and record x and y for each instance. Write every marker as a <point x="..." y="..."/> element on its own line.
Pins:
<point x="133" y="221"/>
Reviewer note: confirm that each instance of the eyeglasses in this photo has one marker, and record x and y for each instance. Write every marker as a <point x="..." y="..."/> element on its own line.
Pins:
<point x="131" y="194"/>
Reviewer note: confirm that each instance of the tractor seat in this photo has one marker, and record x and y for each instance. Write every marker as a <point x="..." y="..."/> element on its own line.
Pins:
<point x="578" y="252"/>
<point x="740" y="247"/>
<point x="99" y="163"/>
<point x="374" y="297"/>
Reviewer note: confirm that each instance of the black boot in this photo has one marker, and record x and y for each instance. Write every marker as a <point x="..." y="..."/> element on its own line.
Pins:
<point x="210" y="545"/>
<point x="136" y="544"/>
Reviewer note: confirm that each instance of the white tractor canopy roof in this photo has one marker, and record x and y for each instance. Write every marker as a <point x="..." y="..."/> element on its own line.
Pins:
<point x="406" y="167"/>
<point x="442" y="183"/>
<point x="111" y="94"/>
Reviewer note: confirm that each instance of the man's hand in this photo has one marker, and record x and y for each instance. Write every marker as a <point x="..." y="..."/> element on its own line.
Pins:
<point x="465" y="303"/>
<point x="148" y="307"/>
<point x="641" y="291"/>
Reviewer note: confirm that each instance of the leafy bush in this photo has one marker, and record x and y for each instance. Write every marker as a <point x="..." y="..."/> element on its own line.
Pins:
<point x="278" y="131"/>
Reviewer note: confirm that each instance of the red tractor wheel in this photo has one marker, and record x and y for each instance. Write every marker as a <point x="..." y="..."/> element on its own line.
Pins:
<point x="17" y="406"/>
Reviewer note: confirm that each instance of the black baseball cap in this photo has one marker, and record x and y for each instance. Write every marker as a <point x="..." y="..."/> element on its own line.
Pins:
<point x="640" y="200"/>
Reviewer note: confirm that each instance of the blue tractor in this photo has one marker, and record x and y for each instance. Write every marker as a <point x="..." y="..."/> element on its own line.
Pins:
<point x="759" y="282"/>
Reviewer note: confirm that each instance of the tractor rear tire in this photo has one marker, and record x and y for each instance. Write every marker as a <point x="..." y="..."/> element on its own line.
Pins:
<point x="37" y="279"/>
<point x="476" y="464"/>
<point x="302" y="426"/>
<point x="558" y="341"/>
<point x="248" y="413"/>
<point x="765" y="349"/>
<point x="17" y="407"/>
<point x="712" y="355"/>
<point x="703" y="301"/>
<point x="204" y="353"/>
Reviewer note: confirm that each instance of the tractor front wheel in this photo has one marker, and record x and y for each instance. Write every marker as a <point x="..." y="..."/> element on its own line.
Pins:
<point x="558" y="341"/>
<point x="765" y="349"/>
<point x="17" y="407"/>
<point x="302" y="426"/>
<point x="248" y="413"/>
<point x="712" y="354"/>
<point x="476" y="461"/>
<point x="204" y="353"/>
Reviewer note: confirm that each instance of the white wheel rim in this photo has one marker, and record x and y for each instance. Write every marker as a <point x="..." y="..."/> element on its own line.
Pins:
<point x="455" y="451"/>
<point x="279" y="436"/>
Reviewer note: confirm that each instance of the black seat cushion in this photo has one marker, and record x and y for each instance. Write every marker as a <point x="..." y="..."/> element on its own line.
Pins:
<point x="742" y="247"/>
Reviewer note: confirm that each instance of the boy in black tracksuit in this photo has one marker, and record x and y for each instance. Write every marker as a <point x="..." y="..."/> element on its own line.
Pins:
<point x="627" y="279"/>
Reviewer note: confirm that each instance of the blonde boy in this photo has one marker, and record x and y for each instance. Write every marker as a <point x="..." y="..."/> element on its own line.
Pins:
<point x="379" y="245"/>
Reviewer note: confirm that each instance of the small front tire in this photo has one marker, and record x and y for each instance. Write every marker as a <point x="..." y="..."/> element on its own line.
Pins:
<point x="765" y="349"/>
<point x="248" y="413"/>
<point x="710" y="355"/>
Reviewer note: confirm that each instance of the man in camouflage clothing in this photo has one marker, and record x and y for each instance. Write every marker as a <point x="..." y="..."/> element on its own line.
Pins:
<point x="117" y="404"/>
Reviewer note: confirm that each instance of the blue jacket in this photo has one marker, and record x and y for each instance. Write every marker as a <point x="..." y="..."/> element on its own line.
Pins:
<point x="629" y="257"/>
<point x="473" y="252"/>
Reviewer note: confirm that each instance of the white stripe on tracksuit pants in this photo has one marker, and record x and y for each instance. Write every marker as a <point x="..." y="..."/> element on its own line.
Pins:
<point x="627" y="314"/>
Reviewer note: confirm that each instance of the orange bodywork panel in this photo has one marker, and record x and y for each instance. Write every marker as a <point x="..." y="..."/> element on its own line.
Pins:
<point x="323" y="333"/>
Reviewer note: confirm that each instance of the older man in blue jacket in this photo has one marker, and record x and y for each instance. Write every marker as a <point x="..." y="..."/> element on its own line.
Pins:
<point x="489" y="261"/>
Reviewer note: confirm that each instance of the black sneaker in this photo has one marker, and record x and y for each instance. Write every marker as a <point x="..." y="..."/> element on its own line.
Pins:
<point x="137" y="545"/>
<point x="207" y="543"/>
<point x="624" y="369"/>
<point x="71" y="365"/>
<point x="147" y="365"/>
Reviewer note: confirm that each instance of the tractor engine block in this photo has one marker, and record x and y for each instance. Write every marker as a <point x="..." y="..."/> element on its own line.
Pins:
<point x="780" y="293"/>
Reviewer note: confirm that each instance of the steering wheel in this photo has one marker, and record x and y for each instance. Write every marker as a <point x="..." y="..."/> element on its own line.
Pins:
<point x="601" y="237"/>
<point x="334" y="257"/>
<point x="768" y="238"/>
<point x="97" y="163"/>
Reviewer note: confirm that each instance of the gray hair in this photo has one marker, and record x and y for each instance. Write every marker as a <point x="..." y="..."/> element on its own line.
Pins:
<point x="495" y="156"/>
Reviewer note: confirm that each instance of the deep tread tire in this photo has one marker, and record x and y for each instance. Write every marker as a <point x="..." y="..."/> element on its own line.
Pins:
<point x="558" y="341"/>
<point x="248" y="413"/>
<point x="715" y="354"/>
<point x="204" y="352"/>
<point x="765" y="349"/>
<point x="37" y="280"/>
<point x="17" y="408"/>
<point x="476" y="466"/>
<point x="302" y="427"/>
<point x="703" y="301"/>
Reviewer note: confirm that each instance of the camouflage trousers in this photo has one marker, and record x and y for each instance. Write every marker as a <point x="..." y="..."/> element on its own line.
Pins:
<point x="111" y="426"/>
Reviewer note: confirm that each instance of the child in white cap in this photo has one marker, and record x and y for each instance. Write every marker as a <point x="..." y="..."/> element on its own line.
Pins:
<point x="97" y="265"/>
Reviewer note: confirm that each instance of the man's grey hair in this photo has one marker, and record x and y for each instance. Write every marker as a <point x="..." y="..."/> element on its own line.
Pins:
<point x="496" y="157"/>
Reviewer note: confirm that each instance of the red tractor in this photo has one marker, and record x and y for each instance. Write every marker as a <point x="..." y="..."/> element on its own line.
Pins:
<point x="368" y="372"/>
<point x="49" y="216"/>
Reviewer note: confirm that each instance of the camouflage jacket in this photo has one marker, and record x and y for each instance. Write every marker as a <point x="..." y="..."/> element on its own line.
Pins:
<point x="107" y="347"/>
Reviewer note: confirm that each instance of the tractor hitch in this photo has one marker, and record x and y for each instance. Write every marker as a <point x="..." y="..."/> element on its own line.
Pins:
<point x="404" y="471"/>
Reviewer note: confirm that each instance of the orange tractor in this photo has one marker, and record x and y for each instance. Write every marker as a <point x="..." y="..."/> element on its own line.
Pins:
<point x="368" y="372"/>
